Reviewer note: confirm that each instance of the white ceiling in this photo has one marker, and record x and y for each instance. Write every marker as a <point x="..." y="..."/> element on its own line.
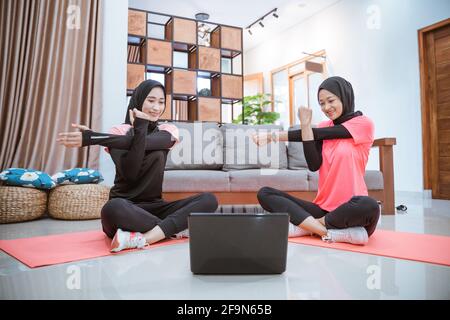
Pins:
<point x="241" y="13"/>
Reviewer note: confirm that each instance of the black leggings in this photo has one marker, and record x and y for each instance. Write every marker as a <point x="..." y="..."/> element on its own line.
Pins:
<point x="359" y="211"/>
<point x="171" y="217"/>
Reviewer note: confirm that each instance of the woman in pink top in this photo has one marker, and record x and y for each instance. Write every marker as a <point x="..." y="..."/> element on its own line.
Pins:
<point x="339" y="148"/>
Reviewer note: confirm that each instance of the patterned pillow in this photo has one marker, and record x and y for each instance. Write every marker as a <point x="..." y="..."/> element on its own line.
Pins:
<point x="27" y="178"/>
<point x="78" y="176"/>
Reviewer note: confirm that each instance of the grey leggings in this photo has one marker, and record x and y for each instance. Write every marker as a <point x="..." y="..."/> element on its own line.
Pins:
<point x="171" y="217"/>
<point x="359" y="211"/>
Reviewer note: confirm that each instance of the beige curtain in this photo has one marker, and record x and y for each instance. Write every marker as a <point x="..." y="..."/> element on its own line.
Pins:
<point x="50" y="69"/>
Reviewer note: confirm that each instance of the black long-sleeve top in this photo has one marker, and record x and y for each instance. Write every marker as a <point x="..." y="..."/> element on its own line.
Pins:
<point x="313" y="149"/>
<point x="139" y="157"/>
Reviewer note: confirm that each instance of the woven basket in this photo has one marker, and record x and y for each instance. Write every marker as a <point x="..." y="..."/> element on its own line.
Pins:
<point x="77" y="202"/>
<point x="18" y="204"/>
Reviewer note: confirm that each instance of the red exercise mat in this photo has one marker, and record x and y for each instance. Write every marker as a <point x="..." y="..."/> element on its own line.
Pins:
<point x="401" y="245"/>
<point x="67" y="247"/>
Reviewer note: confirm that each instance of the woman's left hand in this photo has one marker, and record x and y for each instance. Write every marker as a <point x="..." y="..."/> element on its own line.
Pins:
<point x="305" y="116"/>
<point x="140" y="114"/>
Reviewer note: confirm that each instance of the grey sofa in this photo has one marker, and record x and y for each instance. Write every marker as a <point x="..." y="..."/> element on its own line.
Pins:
<point x="223" y="160"/>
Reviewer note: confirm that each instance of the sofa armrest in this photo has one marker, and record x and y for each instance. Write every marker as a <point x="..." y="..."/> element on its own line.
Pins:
<point x="386" y="152"/>
<point x="384" y="142"/>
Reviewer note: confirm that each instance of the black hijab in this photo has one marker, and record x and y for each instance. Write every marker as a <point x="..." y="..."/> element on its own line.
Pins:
<point x="343" y="89"/>
<point x="138" y="98"/>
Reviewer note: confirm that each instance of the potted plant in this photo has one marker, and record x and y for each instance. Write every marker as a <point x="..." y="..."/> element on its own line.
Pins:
<point x="255" y="110"/>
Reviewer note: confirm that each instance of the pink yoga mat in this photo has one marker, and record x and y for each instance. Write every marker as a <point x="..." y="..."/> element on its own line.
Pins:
<point x="394" y="244"/>
<point x="62" y="248"/>
<point x="68" y="247"/>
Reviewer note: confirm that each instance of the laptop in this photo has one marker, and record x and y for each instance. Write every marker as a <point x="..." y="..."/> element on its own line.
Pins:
<point x="238" y="243"/>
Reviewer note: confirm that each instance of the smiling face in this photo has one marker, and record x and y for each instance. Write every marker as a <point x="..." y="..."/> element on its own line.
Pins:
<point x="154" y="104"/>
<point x="330" y="104"/>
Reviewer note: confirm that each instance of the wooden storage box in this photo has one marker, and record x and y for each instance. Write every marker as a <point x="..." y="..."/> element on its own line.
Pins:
<point x="208" y="109"/>
<point x="135" y="75"/>
<point x="209" y="59"/>
<point x="182" y="30"/>
<point x="137" y="22"/>
<point x="231" y="86"/>
<point x="184" y="82"/>
<point x="159" y="52"/>
<point x="231" y="38"/>
<point x="167" y="115"/>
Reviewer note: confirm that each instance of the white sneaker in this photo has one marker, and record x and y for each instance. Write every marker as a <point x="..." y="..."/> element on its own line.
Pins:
<point x="355" y="235"/>
<point x="182" y="234"/>
<point x="127" y="240"/>
<point x="296" y="231"/>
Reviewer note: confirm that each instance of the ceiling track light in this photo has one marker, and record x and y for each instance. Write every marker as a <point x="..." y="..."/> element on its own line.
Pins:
<point x="272" y="12"/>
<point x="250" y="31"/>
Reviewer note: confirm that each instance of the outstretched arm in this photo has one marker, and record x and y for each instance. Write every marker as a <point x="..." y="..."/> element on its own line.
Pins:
<point x="319" y="134"/>
<point x="160" y="140"/>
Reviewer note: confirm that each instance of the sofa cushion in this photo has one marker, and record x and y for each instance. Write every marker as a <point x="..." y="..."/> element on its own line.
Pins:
<point x="239" y="151"/>
<point x="196" y="181"/>
<point x="296" y="156"/>
<point x="255" y="179"/>
<point x="200" y="147"/>
<point x="373" y="179"/>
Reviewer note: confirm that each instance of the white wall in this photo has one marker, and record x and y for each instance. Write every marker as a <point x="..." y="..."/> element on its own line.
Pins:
<point x="381" y="63"/>
<point x="115" y="26"/>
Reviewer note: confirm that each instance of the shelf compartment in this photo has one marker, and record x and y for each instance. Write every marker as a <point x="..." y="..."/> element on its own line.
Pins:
<point x="184" y="56"/>
<point x="230" y="111"/>
<point x="208" y="34"/>
<point x="184" y="109"/>
<point x="156" y="26"/>
<point x="136" y="49"/>
<point x="208" y="84"/>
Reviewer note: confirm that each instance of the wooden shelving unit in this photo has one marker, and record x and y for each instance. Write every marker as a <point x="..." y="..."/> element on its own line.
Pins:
<point x="200" y="64"/>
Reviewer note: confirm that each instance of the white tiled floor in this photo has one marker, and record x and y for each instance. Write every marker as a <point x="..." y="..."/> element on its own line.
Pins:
<point x="164" y="273"/>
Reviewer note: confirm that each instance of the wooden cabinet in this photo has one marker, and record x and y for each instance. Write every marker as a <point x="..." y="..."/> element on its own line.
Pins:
<point x="175" y="51"/>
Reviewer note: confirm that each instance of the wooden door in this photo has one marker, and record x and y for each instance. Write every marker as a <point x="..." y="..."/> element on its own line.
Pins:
<point x="434" y="47"/>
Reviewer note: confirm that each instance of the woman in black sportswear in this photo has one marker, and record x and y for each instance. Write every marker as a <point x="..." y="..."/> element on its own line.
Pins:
<point x="136" y="214"/>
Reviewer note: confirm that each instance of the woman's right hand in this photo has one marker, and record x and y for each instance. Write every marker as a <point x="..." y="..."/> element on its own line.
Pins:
<point x="305" y="116"/>
<point x="261" y="139"/>
<point x="72" y="139"/>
